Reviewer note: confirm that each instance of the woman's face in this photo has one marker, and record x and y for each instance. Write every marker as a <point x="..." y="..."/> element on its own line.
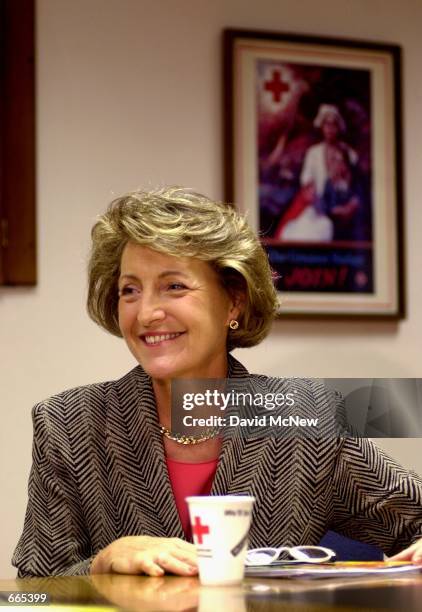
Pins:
<point x="173" y="314"/>
<point x="330" y="128"/>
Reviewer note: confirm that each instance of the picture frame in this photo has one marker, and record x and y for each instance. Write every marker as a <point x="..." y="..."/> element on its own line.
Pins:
<point x="18" y="217"/>
<point x="313" y="157"/>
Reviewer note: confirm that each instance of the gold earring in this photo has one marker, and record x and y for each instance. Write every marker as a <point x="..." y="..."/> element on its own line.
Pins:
<point x="234" y="324"/>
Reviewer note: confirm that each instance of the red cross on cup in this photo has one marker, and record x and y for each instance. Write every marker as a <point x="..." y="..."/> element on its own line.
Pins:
<point x="199" y="530"/>
<point x="276" y="86"/>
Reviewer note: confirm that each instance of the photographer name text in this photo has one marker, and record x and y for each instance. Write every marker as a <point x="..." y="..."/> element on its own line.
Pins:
<point x="256" y="421"/>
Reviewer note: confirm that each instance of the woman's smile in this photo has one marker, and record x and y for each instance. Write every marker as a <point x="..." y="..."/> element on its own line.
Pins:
<point x="159" y="338"/>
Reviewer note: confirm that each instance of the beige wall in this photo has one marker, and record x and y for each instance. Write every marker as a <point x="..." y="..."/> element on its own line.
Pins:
<point x="129" y="95"/>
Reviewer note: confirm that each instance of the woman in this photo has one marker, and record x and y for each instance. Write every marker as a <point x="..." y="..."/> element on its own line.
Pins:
<point x="320" y="158"/>
<point x="305" y="218"/>
<point x="184" y="281"/>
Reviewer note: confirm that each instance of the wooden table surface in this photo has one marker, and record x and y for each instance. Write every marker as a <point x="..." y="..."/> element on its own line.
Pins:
<point x="178" y="593"/>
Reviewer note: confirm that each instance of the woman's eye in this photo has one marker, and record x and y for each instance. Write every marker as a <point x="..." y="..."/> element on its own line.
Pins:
<point x="127" y="291"/>
<point x="176" y="286"/>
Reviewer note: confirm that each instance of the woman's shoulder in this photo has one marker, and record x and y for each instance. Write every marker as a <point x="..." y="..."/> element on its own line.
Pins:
<point x="299" y="382"/>
<point x="93" y="397"/>
<point x="315" y="149"/>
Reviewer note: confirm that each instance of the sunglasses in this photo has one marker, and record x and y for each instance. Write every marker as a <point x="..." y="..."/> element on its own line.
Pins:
<point x="297" y="554"/>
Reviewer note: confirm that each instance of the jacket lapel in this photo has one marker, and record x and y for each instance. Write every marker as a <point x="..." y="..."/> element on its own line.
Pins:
<point x="235" y="446"/>
<point x="138" y="475"/>
<point x="241" y="457"/>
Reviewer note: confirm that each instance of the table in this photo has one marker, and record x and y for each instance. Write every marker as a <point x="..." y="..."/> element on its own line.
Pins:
<point x="175" y="593"/>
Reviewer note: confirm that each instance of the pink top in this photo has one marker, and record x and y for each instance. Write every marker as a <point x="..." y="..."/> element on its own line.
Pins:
<point x="189" y="479"/>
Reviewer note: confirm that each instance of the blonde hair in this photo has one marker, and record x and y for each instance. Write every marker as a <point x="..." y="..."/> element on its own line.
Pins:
<point x="183" y="223"/>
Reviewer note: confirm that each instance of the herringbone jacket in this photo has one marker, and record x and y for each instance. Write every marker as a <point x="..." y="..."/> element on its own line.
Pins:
<point x="99" y="473"/>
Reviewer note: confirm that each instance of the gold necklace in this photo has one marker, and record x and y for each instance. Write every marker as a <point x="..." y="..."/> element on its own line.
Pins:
<point x="181" y="439"/>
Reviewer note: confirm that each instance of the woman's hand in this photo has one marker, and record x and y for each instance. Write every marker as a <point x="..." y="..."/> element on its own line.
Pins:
<point x="146" y="555"/>
<point x="412" y="553"/>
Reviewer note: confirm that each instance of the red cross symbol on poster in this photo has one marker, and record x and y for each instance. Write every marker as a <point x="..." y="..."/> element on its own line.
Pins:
<point x="276" y="86"/>
<point x="199" y="530"/>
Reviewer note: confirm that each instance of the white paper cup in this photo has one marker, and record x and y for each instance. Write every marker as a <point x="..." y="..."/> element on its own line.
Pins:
<point x="220" y="527"/>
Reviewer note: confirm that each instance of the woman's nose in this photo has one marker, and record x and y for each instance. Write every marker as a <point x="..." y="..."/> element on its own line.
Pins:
<point x="150" y="310"/>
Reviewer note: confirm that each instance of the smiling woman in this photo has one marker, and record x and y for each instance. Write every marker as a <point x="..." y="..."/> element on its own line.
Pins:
<point x="184" y="280"/>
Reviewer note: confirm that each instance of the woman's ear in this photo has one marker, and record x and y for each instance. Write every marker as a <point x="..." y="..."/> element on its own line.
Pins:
<point x="236" y="288"/>
<point x="238" y="300"/>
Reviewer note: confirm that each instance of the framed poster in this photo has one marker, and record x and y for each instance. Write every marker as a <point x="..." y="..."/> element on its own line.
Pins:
<point x="313" y="157"/>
